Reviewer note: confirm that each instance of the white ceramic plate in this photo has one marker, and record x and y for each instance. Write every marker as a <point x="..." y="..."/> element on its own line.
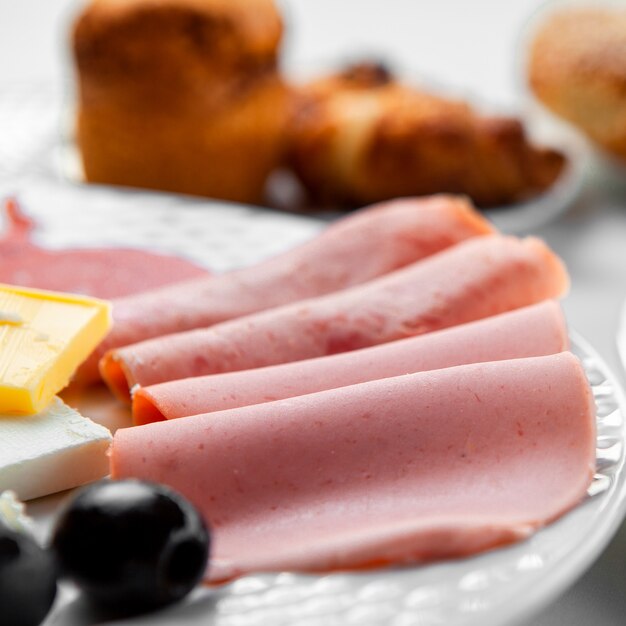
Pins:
<point x="498" y="587"/>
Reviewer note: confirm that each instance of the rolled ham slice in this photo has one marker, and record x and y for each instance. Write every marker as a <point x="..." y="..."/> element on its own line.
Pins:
<point x="435" y="464"/>
<point x="535" y="330"/>
<point x="474" y="279"/>
<point x="365" y="245"/>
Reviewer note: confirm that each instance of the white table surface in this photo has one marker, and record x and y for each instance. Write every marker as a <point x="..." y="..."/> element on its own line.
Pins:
<point x="469" y="47"/>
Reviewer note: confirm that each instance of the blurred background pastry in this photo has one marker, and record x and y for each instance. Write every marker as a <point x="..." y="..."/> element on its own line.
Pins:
<point x="181" y="95"/>
<point x="186" y="96"/>
<point x="577" y="68"/>
<point x="361" y="136"/>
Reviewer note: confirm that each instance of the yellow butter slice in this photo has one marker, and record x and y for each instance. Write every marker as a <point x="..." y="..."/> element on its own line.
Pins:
<point x="44" y="337"/>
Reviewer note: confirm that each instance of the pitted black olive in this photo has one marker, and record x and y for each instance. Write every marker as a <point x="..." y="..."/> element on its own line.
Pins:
<point x="131" y="546"/>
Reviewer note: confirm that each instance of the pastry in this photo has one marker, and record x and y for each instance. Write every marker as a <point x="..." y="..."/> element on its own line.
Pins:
<point x="577" y="68"/>
<point x="181" y="95"/>
<point x="361" y="136"/>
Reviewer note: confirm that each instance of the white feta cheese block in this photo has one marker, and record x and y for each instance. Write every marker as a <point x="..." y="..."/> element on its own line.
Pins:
<point x="51" y="451"/>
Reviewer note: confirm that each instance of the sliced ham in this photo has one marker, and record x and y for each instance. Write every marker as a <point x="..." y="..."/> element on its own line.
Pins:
<point x="435" y="464"/>
<point x="365" y="245"/>
<point x="474" y="279"/>
<point x="535" y="330"/>
<point x="99" y="272"/>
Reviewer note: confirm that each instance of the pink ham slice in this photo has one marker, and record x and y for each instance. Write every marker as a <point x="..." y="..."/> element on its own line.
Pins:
<point x="365" y="245"/>
<point x="535" y="330"/>
<point x="435" y="464"/>
<point x="476" y="278"/>
<point x="101" y="272"/>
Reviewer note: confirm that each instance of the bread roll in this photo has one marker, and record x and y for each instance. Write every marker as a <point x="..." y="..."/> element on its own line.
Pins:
<point x="577" y="68"/>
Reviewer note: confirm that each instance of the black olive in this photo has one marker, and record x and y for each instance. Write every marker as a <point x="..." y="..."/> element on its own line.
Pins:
<point x="28" y="582"/>
<point x="131" y="546"/>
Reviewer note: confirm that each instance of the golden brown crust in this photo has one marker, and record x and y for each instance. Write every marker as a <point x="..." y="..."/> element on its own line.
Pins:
<point x="361" y="137"/>
<point x="227" y="155"/>
<point x="181" y="95"/>
<point x="577" y="67"/>
<point x="176" y="51"/>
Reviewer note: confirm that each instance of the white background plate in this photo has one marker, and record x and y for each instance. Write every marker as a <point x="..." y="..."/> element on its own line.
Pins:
<point x="498" y="587"/>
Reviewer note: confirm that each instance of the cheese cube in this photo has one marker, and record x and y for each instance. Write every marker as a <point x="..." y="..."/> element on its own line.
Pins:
<point x="44" y="337"/>
<point x="54" y="450"/>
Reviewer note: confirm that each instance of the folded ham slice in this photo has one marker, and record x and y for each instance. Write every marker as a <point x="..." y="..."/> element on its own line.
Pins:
<point x="365" y="245"/>
<point x="535" y="330"/>
<point x="476" y="278"/>
<point x="434" y="464"/>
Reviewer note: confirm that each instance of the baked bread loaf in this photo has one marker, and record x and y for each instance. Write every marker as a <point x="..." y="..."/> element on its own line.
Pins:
<point x="181" y="95"/>
<point x="577" y="68"/>
<point x="361" y="136"/>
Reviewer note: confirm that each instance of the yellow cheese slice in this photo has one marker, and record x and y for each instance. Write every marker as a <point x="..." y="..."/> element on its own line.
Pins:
<point x="44" y="337"/>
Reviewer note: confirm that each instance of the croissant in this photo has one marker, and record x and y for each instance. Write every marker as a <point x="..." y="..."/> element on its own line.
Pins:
<point x="361" y="136"/>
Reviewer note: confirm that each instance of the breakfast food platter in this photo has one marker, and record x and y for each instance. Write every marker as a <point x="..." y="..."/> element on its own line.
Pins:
<point x="498" y="586"/>
<point x="377" y="419"/>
